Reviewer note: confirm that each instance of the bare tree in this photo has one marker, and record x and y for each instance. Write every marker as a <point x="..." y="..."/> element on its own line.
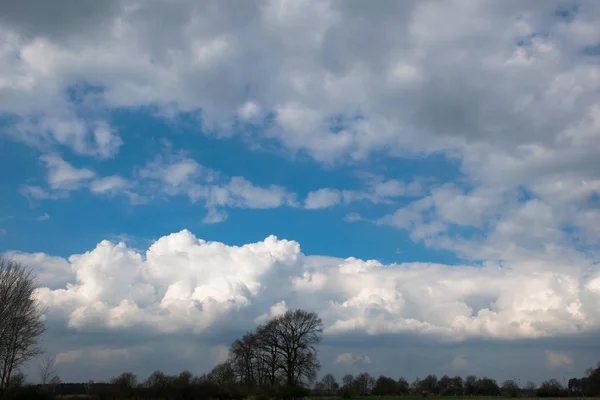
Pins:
<point x="55" y="381"/>
<point x="222" y="374"/>
<point x="267" y="342"/>
<point x="21" y="319"/>
<point x="245" y="360"/>
<point x="46" y="369"/>
<point x="330" y="384"/>
<point x="298" y="333"/>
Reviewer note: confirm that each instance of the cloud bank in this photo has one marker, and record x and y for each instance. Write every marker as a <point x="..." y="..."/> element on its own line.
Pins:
<point x="185" y="284"/>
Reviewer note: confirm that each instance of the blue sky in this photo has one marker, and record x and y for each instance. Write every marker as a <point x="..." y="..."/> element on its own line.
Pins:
<point x="421" y="174"/>
<point x="72" y="227"/>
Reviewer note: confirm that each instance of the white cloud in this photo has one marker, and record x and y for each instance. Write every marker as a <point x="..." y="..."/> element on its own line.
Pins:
<point x="322" y="198"/>
<point x="44" y="217"/>
<point x="352" y="217"/>
<point x="557" y="359"/>
<point x="34" y="193"/>
<point x="183" y="284"/>
<point x="63" y="176"/>
<point x="170" y="174"/>
<point x="276" y="310"/>
<point x="95" y="139"/>
<point x="513" y="107"/>
<point x="53" y="272"/>
<point x="352" y="359"/>
<point x="249" y="111"/>
<point x="378" y="190"/>
<point x="109" y="184"/>
<point x="242" y="193"/>
<point x="405" y="76"/>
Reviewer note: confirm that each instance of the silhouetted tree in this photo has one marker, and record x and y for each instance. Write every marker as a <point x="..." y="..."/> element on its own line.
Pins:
<point x="551" y="388"/>
<point x="487" y="387"/>
<point x="46" y="369"/>
<point x="297" y="334"/>
<point x="403" y="386"/>
<point x="428" y="384"/>
<point x="21" y="319"/>
<point x="363" y="384"/>
<point x="385" y="386"/>
<point x="330" y="385"/>
<point x="126" y="383"/>
<point x="222" y="374"/>
<point x="470" y="385"/>
<point x="510" y="388"/>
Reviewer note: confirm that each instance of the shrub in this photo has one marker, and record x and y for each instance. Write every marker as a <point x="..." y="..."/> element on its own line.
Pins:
<point x="30" y="393"/>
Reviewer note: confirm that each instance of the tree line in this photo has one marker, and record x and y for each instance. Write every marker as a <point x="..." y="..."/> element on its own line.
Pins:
<point x="364" y="384"/>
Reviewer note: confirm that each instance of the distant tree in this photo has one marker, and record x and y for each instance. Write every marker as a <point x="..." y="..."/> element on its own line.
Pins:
<point x="385" y="386"/>
<point x="575" y="387"/>
<point x="364" y="383"/>
<point x="158" y="383"/>
<point x="348" y="380"/>
<point x="183" y="385"/>
<point x="298" y="333"/>
<point x="470" y="385"/>
<point x="126" y="383"/>
<point x="415" y="386"/>
<point x="330" y="385"/>
<point x="593" y="381"/>
<point x="510" y="388"/>
<point x="530" y="389"/>
<point x="269" y="356"/>
<point x="319" y="389"/>
<point x="551" y="388"/>
<point x="54" y="382"/>
<point x="46" y="369"/>
<point x="348" y="388"/>
<point x="17" y="381"/>
<point x="487" y="387"/>
<point x="444" y="386"/>
<point x="403" y="386"/>
<point x="246" y="360"/>
<point x="429" y="384"/>
<point x="457" y="386"/>
<point x="222" y="374"/>
<point x="21" y="319"/>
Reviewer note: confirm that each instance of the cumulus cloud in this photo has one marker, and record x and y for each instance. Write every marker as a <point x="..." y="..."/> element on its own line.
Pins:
<point x="352" y="359"/>
<point x="276" y="310"/>
<point x="52" y="272"/>
<point x="182" y="283"/>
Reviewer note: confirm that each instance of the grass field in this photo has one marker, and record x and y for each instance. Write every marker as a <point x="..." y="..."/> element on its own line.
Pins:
<point x="447" y="398"/>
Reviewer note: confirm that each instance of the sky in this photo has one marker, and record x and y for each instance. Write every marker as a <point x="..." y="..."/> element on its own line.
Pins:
<point x="423" y="174"/>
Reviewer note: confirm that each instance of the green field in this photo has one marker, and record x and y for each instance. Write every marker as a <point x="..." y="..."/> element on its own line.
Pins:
<point x="442" y="398"/>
